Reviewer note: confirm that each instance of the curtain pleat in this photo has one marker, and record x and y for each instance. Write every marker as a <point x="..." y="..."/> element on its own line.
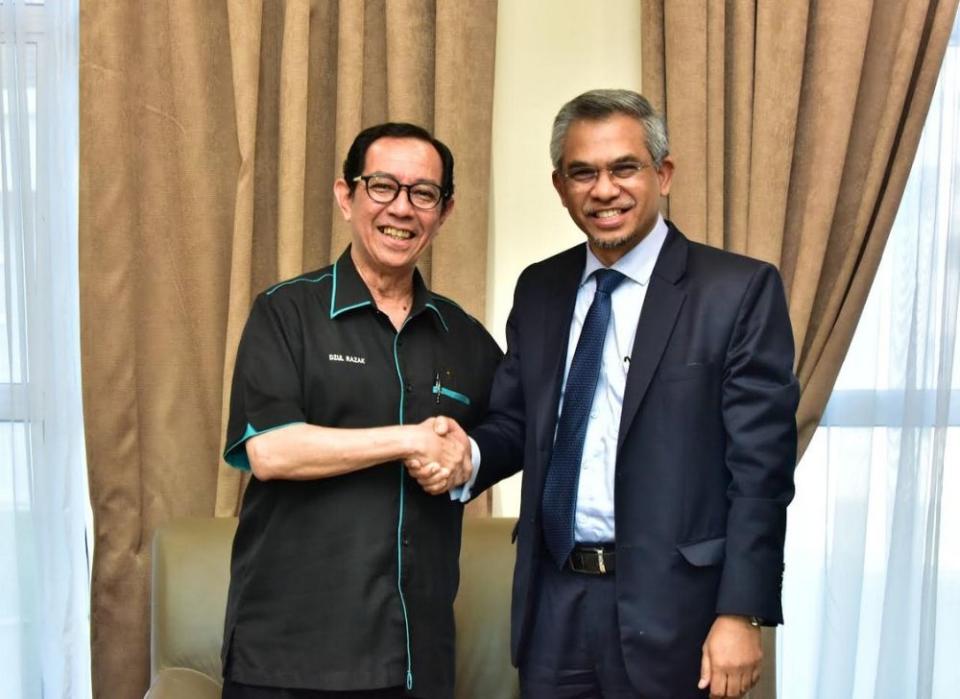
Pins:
<point x="793" y="126"/>
<point x="211" y="135"/>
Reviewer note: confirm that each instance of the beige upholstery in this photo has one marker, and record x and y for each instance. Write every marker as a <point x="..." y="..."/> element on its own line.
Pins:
<point x="191" y="561"/>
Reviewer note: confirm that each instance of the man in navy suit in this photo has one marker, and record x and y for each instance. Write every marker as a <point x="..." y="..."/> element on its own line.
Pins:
<point x="650" y="573"/>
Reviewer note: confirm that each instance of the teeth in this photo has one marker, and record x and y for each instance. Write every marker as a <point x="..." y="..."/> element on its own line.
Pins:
<point x="607" y="213"/>
<point x="397" y="233"/>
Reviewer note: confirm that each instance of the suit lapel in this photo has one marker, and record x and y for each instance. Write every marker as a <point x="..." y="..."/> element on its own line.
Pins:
<point x="557" y="309"/>
<point x="661" y="306"/>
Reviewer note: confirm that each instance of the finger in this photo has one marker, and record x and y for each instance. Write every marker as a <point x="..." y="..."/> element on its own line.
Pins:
<point x="413" y="464"/>
<point x="436" y="475"/>
<point x="718" y="684"/>
<point x="426" y="469"/>
<point x="441" y="477"/>
<point x="435" y="487"/>
<point x="704" y="671"/>
<point x="440" y="426"/>
<point x="425" y="473"/>
<point x="735" y="686"/>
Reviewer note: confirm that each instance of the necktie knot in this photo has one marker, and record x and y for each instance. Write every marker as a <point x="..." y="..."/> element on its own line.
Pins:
<point x="608" y="280"/>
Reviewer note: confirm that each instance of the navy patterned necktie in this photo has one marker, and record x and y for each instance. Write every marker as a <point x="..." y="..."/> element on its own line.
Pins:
<point x="563" y="473"/>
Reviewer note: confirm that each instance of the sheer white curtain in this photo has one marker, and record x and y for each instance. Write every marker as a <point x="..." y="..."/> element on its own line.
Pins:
<point x="44" y="572"/>
<point x="872" y="582"/>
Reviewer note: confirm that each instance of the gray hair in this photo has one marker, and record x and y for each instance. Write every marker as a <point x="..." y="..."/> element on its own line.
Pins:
<point x="597" y="105"/>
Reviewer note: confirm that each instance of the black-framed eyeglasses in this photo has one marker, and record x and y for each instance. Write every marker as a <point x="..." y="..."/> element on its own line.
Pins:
<point x="619" y="172"/>
<point x="384" y="188"/>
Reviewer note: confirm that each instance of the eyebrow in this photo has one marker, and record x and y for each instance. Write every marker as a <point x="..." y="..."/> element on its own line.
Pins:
<point x="615" y="161"/>
<point x="391" y="175"/>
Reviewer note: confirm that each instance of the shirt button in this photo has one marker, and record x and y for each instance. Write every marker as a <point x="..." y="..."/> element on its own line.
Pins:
<point x="406" y="541"/>
<point x="409" y="388"/>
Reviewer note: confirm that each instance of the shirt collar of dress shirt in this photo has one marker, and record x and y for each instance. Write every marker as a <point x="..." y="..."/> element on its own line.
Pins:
<point x="638" y="263"/>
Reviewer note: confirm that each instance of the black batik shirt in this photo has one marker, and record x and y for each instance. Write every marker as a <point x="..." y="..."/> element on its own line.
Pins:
<point x="348" y="582"/>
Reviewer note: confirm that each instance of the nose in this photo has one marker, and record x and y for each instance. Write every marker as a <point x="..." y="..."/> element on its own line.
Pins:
<point x="605" y="187"/>
<point x="401" y="205"/>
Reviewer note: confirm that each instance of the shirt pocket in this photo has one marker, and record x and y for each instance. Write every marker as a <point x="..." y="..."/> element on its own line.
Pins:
<point x="443" y="392"/>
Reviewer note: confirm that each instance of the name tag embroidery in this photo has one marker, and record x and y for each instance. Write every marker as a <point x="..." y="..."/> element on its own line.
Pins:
<point x="348" y="358"/>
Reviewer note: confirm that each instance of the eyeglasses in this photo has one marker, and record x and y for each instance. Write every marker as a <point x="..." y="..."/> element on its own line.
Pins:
<point x="383" y="189"/>
<point x="619" y="172"/>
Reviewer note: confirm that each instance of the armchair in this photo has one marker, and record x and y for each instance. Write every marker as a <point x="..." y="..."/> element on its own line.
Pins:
<point x="190" y="573"/>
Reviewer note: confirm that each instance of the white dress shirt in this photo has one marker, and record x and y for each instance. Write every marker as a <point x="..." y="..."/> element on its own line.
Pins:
<point x="594" y="521"/>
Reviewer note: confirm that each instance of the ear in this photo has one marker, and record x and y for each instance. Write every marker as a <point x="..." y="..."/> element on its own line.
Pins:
<point x="447" y="208"/>
<point x="341" y="192"/>
<point x="558" y="184"/>
<point x="665" y="175"/>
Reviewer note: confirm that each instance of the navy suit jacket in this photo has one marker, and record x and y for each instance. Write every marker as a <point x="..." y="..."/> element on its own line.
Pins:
<point x="705" y="457"/>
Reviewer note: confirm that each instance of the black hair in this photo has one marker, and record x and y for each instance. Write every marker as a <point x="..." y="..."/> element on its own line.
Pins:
<point x="357" y="155"/>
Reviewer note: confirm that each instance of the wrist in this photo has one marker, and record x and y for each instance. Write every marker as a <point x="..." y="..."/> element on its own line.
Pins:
<point x="409" y="441"/>
<point x="750" y="620"/>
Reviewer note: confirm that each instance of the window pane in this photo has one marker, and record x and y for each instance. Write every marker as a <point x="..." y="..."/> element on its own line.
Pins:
<point x="17" y="566"/>
<point x="17" y="214"/>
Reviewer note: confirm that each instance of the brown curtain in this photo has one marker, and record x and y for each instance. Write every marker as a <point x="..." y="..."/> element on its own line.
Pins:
<point x="794" y="126"/>
<point x="211" y="134"/>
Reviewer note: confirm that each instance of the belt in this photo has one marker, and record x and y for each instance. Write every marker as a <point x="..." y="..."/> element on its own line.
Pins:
<point x="593" y="559"/>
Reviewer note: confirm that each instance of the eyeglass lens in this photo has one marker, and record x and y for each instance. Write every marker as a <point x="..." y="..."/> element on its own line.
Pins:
<point x="385" y="188"/>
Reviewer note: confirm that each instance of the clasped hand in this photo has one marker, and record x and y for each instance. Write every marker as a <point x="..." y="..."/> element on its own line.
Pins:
<point x="441" y="455"/>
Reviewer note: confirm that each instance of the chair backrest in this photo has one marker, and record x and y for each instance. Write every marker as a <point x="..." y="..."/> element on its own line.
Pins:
<point x="191" y="571"/>
<point x="482" y="610"/>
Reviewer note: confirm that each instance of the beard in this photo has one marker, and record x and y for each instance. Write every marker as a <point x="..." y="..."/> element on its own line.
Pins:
<point x="612" y="243"/>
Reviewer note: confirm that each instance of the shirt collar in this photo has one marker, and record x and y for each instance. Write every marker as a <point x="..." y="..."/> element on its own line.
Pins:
<point x="639" y="262"/>
<point x="350" y="292"/>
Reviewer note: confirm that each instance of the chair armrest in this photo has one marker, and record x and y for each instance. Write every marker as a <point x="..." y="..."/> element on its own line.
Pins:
<point x="183" y="683"/>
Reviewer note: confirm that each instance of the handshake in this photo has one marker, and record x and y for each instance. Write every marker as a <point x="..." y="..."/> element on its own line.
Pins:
<point x="439" y="458"/>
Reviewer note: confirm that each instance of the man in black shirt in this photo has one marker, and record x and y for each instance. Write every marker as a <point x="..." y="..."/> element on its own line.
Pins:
<point x="344" y="569"/>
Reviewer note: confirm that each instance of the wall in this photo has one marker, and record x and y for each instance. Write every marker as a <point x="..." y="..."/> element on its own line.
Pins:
<point x="548" y="51"/>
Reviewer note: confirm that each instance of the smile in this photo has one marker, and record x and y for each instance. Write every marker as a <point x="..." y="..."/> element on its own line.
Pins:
<point x="609" y="213"/>
<point x="396" y="233"/>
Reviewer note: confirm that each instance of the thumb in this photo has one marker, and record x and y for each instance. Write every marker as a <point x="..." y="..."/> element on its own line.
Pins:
<point x="704" y="670"/>
<point x="440" y="426"/>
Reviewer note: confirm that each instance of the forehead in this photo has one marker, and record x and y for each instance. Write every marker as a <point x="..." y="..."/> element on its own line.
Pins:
<point x="405" y="158"/>
<point x="605" y="140"/>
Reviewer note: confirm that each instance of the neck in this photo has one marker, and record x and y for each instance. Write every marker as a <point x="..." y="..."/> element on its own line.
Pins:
<point x="390" y="291"/>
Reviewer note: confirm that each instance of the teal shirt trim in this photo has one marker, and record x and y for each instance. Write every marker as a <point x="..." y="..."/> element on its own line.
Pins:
<point x="299" y="279"/>
<point x="237" y="457"/>
<point x="403" y="601"/>
<point x="439" y="315"/>
<point x="334" y="311"/>
<point x="450" y="393"/>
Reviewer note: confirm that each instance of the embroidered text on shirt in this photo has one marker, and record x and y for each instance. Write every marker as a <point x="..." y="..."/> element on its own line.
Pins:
<point x="349" y="358"/>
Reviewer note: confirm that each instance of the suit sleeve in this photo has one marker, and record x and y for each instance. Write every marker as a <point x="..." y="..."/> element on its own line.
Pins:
<point x="500" y="438"/>
<point x="759" y="401"/>
<point x="266" y="391"/>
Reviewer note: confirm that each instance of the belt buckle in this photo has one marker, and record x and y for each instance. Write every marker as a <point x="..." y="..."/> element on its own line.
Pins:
<point x="601" y="568"/>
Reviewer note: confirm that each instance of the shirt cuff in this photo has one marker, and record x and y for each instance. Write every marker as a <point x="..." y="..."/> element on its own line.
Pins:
<point x="462" y="493"/>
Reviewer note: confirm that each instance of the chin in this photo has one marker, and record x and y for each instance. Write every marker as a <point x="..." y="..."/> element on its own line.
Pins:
<point x="611" y="243"/>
